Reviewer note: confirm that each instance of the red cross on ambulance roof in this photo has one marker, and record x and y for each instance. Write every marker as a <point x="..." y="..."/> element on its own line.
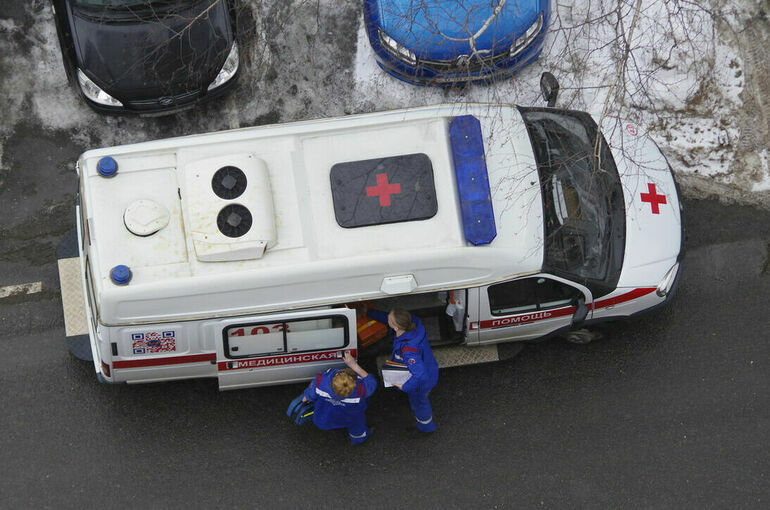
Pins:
<point x="363" y="195"/>
<point x="653" y="198"/>
<point x="383" y="190"/>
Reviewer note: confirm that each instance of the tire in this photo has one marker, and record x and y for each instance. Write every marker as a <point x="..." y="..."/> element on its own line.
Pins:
<point x="582" y="336"/>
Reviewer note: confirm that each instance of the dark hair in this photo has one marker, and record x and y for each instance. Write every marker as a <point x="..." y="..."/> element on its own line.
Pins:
<point x="403" y="319"/>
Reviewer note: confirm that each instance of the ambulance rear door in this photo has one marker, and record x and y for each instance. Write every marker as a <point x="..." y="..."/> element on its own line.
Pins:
<point x="281" y="348"/>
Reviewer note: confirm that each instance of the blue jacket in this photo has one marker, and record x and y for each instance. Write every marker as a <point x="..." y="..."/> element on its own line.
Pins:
<point x="333" y="411"/>
<point x="413" y="349"/>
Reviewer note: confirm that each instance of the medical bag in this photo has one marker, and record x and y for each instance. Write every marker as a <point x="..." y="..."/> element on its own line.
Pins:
<point x="369" y="331"/>
<point x="300" y="412"/>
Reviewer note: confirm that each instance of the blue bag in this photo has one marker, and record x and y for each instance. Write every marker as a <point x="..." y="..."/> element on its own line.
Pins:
<point x="300" y="412"/>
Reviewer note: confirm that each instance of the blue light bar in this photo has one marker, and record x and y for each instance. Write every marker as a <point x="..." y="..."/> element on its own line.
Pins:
<point x="472" y="180"/>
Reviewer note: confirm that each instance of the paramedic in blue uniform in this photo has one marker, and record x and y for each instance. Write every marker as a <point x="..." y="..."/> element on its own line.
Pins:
<point x="411" y="347"/>
<point x="340" y="397"/>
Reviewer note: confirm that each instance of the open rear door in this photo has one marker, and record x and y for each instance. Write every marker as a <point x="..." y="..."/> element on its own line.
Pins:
<point x="281" y="348"/>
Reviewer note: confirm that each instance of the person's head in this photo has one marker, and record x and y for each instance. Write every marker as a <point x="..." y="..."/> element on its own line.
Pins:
<point x="398" y="318"/>
<point x="344" y="382"/>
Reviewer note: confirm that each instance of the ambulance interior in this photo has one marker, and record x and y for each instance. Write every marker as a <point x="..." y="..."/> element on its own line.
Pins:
<point x="434" y="309"/>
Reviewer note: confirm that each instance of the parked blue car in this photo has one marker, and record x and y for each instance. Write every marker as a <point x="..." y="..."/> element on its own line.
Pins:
<point x="449" y="42"/>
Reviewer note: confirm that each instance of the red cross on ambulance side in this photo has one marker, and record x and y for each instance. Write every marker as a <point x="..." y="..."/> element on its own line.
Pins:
<point x="653" y="198"/>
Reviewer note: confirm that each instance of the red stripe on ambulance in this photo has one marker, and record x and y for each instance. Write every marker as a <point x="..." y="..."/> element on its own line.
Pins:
<point x="628" y="296"/>
<point x="173" y="360"/>
<point x="514" y="320"/>
<point x="287" y="359"/>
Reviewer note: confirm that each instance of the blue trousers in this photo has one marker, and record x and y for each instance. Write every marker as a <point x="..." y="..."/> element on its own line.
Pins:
<point x="358" y="434"/>
<point x="420" y="404"/>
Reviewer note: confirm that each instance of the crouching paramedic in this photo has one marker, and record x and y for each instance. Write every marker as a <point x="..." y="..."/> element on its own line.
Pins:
<point x="340" y="397"/>
<point x="411" y="347"/>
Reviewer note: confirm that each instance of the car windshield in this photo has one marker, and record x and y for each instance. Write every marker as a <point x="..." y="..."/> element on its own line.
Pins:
<point x="582" y="197"/>
<point x="123" y="5"/>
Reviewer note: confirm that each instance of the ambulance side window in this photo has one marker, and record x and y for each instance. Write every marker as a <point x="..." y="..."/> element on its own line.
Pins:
<point x="530" y="294"/>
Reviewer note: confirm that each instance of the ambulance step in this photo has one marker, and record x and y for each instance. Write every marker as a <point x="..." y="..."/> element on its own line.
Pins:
<point x="72" y="297"/>
<point x="460" y="355"/>
<point x="73" y="303"/>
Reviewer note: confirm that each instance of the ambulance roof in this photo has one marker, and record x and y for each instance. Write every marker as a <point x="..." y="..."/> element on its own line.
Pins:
<point x="339" y="210"/>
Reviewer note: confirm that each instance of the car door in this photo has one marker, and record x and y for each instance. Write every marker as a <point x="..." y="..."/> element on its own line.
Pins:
<point x="529" y="307"/>
<point x="281" y="348"/>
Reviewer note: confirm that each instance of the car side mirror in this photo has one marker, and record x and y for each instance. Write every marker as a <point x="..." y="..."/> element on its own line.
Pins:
<point x="581" y="312"/>
<point x="549" y="87"/>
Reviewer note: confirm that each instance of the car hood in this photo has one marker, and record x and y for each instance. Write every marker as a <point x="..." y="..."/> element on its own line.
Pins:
<point x="653" y="232"/>
<point x="147" y="58"/>
<point x="440" y="30"/>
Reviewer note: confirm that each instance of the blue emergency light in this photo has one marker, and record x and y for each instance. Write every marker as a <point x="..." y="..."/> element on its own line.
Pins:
<point x="107" y="166"/>
<point x="472" y="180"/>
<point x="120" y="275"/>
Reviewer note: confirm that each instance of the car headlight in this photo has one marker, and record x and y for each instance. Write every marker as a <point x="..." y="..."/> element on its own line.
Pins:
<point x="94" y="93"/>
<point x="396" y="49"/>
<point x="229" y="68"/>
<point x="525" y="40"/>
<point x="668" y="280"/>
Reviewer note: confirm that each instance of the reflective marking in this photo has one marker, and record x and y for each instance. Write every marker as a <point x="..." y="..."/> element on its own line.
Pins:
<point x="357" y="437"/>
<point x="424" y="422"/>
<point x="23" y="288"/>
<point x="345" y="400"/>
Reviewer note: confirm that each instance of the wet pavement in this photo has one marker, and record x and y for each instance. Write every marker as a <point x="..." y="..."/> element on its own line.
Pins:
<point x="668" y="411"/>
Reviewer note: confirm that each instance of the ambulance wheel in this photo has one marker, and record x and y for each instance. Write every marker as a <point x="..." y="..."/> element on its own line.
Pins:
<point x="582" y="336"/>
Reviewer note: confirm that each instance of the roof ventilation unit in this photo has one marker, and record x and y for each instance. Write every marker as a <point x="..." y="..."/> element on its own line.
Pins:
<point x="143" y="217"/>
<point x="229" y="207"/>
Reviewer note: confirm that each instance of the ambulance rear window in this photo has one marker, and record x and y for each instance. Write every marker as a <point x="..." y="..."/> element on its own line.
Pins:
<point x="292" y="336"/>
<point x="383" y="190"/>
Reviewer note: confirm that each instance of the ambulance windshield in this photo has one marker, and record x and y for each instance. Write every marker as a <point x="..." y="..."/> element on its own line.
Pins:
<point x="582" y="197"/>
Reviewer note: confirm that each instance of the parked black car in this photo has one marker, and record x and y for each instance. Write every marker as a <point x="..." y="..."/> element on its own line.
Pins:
<point x="148" y="56"/>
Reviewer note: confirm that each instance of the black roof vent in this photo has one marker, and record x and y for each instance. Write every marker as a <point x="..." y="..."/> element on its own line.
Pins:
<point x="229" y="182"/>
<point x="234" y="220"/>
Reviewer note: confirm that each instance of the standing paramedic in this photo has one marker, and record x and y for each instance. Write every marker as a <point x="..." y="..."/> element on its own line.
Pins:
<point x="411" y="347"/>
<point x="340" y="399"/>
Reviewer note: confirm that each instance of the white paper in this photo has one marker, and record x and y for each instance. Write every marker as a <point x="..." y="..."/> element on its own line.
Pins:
<point x="394" y="376"/>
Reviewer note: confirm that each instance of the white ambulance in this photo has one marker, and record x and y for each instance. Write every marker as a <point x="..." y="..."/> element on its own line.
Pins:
<point x="239" y="254"/>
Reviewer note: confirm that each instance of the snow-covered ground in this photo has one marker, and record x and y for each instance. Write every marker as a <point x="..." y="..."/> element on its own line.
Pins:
<point x="685" y="78"/>
<point x="696" y="76"/>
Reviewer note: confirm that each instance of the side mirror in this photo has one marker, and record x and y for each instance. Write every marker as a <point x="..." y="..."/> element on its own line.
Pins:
<point x="580" y="314"/>
<point x="549" y="86"/>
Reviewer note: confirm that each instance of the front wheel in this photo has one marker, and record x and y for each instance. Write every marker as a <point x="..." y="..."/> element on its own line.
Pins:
<point x="582" y="336"/>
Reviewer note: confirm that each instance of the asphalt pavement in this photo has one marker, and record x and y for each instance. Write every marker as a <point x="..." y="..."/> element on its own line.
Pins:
<point x="669" y="411"/>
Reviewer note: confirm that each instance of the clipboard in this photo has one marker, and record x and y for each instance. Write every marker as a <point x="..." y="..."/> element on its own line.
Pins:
<point x="394" y="372"/>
